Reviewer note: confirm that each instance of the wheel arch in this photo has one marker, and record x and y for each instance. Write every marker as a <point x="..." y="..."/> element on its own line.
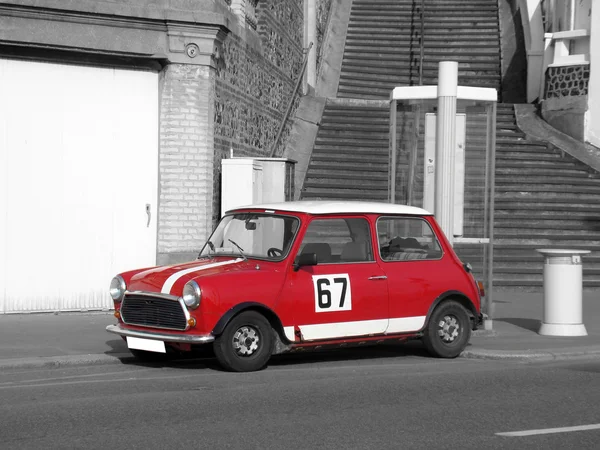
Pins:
<point x="267" y="312"/>
<point x="457" y="296"/>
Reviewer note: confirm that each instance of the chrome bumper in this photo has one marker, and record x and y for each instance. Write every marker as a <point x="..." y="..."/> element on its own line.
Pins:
<point x="182" y="338"/>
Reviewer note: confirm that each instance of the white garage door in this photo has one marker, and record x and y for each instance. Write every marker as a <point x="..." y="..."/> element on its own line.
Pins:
<point x="78" y="182"/>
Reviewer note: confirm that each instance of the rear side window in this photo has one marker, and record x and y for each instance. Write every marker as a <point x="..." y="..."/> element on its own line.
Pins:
<point x="338" y="240"/>
<point x="406" y="239"/>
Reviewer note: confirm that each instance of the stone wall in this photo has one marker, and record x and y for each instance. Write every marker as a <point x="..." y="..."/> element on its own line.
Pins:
<point x="323" y="13"/>
<point x="256" y="72"/>
<point x="567" y="81"/>
<point x="566" y="98"/>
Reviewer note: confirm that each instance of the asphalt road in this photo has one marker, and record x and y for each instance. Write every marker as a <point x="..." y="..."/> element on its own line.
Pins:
<point x="361" y="399"/>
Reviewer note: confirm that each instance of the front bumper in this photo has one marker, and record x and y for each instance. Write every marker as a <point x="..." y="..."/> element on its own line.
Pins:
<point x="478" y="322"/>
<point x="165" y="337"/>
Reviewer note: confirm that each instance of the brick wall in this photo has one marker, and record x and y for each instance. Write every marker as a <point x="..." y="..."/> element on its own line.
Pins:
<point x="186" y="161"/>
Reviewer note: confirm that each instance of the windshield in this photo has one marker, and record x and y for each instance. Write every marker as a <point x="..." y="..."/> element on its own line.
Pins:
<point x="252" y="235"/>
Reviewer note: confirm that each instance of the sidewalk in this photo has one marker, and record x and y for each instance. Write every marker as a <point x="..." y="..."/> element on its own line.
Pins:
<point x="51" y="340"/>
<point x="517" y="319"/>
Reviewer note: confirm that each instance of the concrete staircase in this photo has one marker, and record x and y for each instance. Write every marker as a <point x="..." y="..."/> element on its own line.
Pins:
<point x="383" y="44"/>
<point x="544" y="199"/>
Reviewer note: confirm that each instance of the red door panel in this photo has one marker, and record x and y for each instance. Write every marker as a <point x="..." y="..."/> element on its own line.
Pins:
<point x="339" y="300"/>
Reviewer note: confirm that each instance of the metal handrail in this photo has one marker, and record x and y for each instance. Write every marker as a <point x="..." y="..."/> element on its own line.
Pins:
<point x="289" y="108"/>
<point x="422" y="43"/>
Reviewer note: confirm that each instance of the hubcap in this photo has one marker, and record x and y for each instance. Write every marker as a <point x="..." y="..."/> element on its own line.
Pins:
<point x="246" y="340"/>
<point x="449" y="329"/>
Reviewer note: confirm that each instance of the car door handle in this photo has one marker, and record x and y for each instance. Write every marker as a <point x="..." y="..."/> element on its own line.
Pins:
<point x="379" y="277"/>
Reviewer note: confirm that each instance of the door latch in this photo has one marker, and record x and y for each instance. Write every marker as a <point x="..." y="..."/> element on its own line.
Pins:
<point x="149" y="213"/>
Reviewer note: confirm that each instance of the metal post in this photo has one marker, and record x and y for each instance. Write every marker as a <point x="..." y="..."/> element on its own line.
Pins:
<point x="422" y="43"/>
<point x="445" y="146"/>
<point x="491" y="148"/>
<point x="414" y="148"/>
<point x="392" y="171"/>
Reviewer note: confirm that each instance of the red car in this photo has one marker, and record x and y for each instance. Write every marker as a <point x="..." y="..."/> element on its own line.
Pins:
<point x="278" y="277"/>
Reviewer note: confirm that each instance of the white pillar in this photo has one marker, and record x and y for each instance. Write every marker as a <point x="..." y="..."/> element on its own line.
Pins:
<point x="445" y="146"/>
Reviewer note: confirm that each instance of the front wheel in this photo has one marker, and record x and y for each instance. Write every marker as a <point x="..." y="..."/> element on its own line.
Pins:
<point x="448" y="331"/>
<point x="246" y="344"/>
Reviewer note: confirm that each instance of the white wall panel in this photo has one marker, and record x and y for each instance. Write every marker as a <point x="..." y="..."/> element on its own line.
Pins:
<point x="81" y="151"/>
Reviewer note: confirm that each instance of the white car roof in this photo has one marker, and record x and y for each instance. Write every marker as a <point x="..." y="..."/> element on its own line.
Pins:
<point x="338" y="207"/>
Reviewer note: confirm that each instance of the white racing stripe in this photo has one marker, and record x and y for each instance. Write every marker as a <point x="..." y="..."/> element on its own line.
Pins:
<point x="166" y="289"/>
<point x="362" y="327"/>
<point x="595" y="426"/>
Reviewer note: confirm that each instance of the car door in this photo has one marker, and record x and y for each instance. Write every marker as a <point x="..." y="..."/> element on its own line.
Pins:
<point x="345" y="294"/>
<point x="412" y="259"/>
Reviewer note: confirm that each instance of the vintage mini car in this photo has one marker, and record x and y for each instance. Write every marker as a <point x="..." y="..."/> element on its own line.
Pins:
<point x="298" y="275"/>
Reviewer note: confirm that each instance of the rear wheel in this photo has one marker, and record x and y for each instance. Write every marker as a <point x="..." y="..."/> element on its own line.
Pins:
<point x="246" y="344"/>
<point x="448" y="331"/>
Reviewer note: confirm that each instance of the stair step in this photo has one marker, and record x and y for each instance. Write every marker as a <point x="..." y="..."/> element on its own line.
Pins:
<point x="542" y="188"/>
<point x="351" y="158"/>
<point x="349" y="167"/>
<point x="346" y="195"/>
<point x="337" y="184"/>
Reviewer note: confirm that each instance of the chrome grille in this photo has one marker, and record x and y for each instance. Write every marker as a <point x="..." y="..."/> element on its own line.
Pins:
<point x="153" y="311"/>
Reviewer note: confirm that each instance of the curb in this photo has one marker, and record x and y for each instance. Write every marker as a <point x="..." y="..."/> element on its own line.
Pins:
<point x="531" y="355"/>
<point x="50" y="362"/>
<point x="484" y="333"/>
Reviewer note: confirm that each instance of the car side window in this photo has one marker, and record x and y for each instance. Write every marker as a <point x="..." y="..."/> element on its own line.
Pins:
<point x="406" y="239"/>
<point x="338" y="240"/>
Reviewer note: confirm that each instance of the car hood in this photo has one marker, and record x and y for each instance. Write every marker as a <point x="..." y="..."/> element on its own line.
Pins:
<point x="171" y="279"/>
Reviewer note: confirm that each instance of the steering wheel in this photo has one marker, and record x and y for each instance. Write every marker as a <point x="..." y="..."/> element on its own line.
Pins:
<point x="274" y="252"/>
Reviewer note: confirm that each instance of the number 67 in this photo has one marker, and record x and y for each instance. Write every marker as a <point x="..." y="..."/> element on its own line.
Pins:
<point x="326" y="289"/>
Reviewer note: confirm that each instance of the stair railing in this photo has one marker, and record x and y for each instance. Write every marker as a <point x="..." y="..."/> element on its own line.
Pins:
<point x="412" y="162"/>
<point x="422" y="42"/>
<point x="292" y="98"/>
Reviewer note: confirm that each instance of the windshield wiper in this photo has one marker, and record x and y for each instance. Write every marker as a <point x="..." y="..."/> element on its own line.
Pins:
<point x="240" y="249"/>
<point x="212" y="249"/>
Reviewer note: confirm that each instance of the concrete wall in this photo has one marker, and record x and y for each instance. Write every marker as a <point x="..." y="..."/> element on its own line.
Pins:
<point x="592" y="118"/>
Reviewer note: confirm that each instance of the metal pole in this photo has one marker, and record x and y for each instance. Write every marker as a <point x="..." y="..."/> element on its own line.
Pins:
<point x="492" y="185"/>
<point x="422" y="43"/>
<point x="413" y="154"/>
<point x="392" y="171"/>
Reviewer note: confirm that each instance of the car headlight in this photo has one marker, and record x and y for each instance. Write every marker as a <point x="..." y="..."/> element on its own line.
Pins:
<point x="191" y="295"/>
<point x="117" y="288"/>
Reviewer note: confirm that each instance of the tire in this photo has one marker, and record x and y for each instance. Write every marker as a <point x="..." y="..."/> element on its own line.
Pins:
<point x="448" y="330"/>
<point x="253" y="352"/>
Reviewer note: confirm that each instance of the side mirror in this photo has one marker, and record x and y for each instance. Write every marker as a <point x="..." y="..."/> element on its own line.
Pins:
<point x="305" y="259"/>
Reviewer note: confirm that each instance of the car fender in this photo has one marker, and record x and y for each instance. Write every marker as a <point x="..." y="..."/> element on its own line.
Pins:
<point x="460" y="297"/>
<point x="271" y="316"/>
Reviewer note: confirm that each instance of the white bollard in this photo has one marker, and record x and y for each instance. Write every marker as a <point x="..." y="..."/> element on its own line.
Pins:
<point x="563" y="286"/>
